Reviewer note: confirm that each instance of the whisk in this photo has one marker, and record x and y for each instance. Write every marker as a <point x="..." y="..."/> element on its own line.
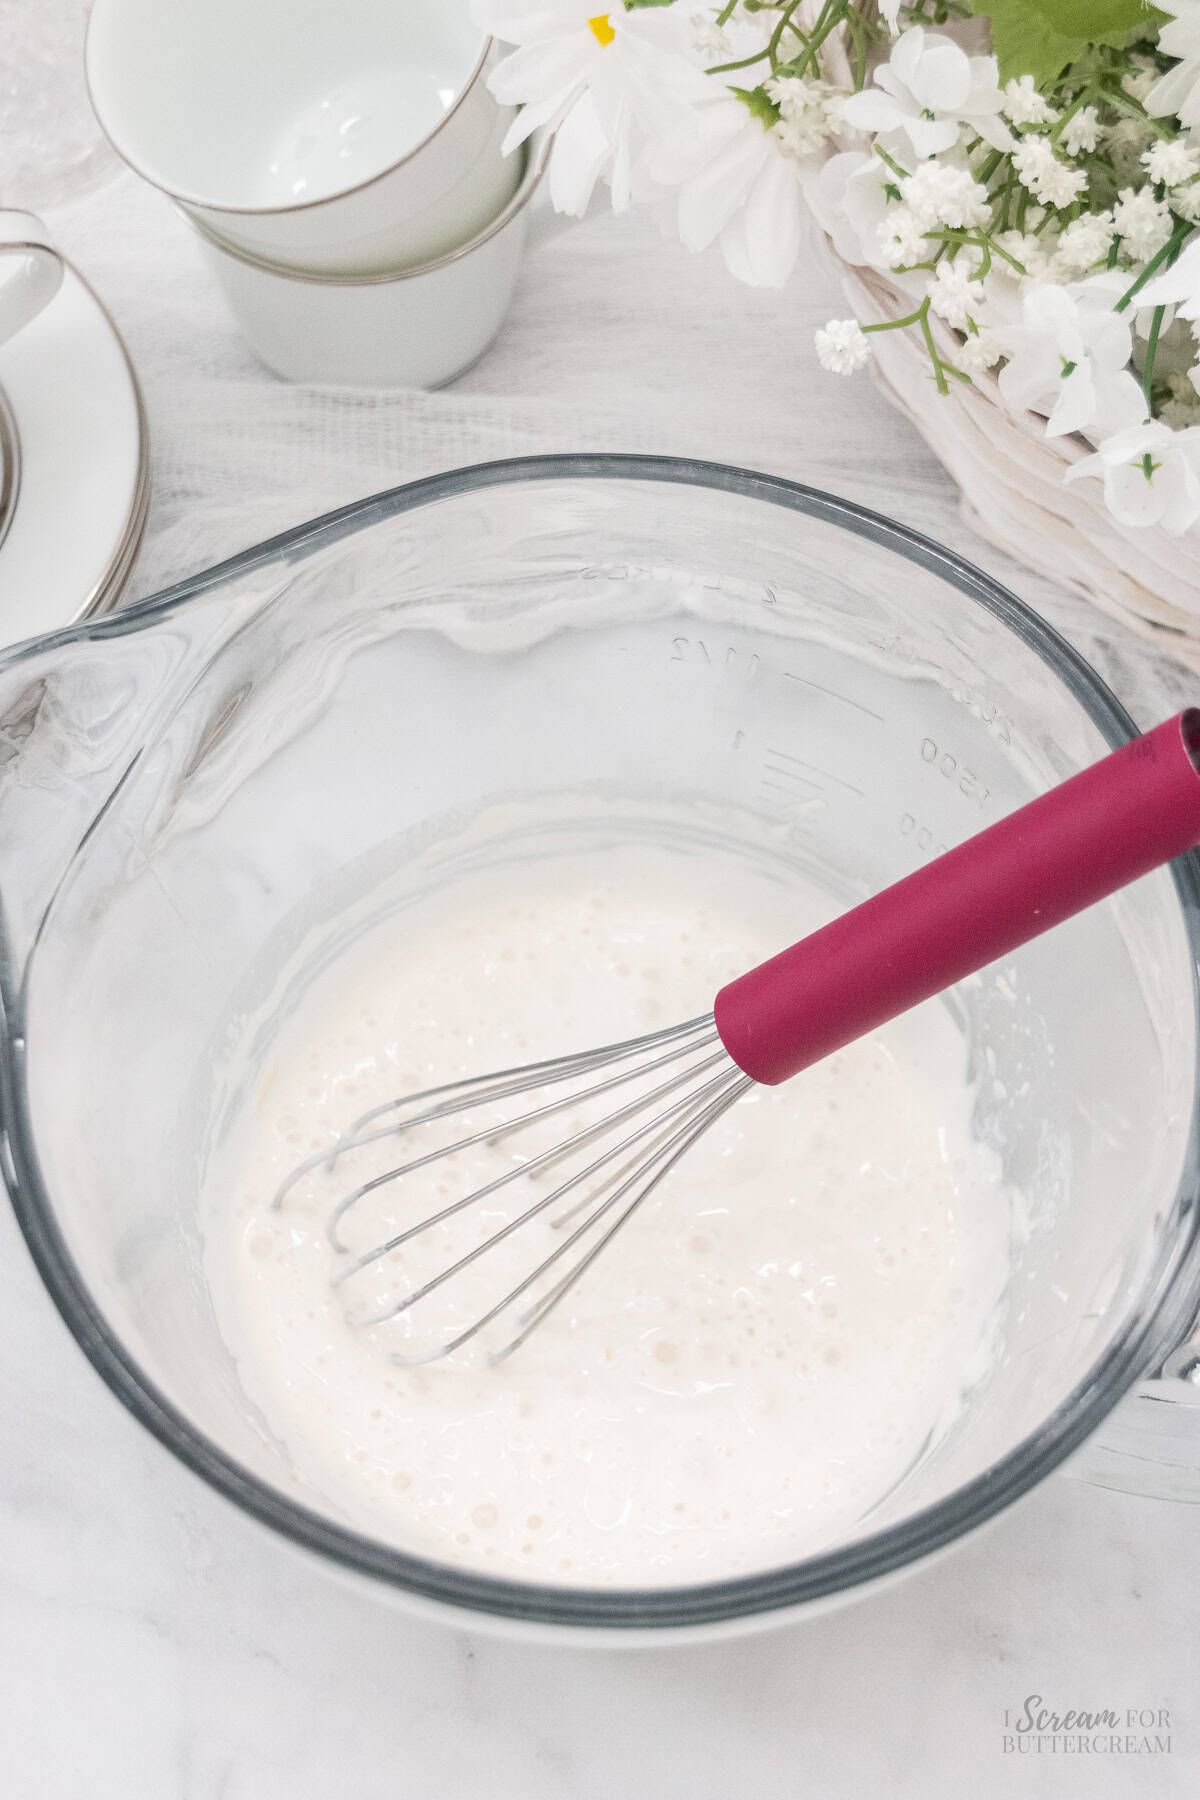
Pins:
<point x="1132" y="811"/>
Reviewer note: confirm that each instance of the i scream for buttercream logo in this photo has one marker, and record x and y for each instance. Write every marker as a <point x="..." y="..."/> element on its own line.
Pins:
<point x="1036" y="1728"/>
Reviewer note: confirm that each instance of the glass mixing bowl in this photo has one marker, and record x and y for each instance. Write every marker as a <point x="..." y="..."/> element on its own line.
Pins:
<point x="201" y="797"/>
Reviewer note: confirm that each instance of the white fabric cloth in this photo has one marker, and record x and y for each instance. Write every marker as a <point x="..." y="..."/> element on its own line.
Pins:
<point x="617" y="339"/>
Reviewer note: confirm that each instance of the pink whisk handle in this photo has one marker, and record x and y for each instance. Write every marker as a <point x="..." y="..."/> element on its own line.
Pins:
<point x="1102" y="829"/>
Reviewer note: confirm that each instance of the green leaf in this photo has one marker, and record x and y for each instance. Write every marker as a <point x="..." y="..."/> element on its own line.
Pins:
<point x="1040" y="37"/>
<point x="760" y="104"/>
<point x="1084" y="18"/>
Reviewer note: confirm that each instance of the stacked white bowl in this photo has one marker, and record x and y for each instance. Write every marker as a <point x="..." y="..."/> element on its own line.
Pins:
<point x="342" y="166"/>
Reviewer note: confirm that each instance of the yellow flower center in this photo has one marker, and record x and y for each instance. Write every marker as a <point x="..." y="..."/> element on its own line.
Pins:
<point x="602" y="31"/>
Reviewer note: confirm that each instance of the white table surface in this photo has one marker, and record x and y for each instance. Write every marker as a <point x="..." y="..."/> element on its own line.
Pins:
<point x="154" y="1645"/>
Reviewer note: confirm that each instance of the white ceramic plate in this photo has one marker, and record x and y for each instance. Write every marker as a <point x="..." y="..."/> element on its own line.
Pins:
<point x="83" y="466"/>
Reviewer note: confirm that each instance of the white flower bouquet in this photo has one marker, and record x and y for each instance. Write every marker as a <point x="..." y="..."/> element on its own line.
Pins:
<point x="1013" y="188"/>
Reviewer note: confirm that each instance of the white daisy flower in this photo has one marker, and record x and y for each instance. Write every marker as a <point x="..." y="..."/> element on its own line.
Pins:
<point x="1151" y="475"/>
<point x="735" y="183"/>
<point x="928" y="90"/>
<point x="602" y="82"/>
<point x="1178" y="91"/>
<point x="1177" y="286"/>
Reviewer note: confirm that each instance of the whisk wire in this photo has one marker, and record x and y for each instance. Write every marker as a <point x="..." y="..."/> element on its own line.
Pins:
<point x="688" y="1103"/>
<point x="713" y="1103"/>
<point x="499" y="1085"/>
<point x="492" y="1133"/>
<point x="621" y="1177"/>
<point x="531" y="1320"/>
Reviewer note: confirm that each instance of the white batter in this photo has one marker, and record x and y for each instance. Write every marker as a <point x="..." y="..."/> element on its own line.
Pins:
<point x="752" y="1364"/>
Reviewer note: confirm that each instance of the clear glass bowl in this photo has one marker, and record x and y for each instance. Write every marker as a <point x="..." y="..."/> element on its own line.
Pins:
<point x="202" y="796"/>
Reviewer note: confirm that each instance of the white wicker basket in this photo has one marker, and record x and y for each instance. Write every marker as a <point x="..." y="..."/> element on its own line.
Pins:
<point x="1011" y="479"/>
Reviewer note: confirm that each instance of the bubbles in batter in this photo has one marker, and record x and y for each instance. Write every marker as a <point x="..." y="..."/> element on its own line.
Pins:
<point x="756" y="1359"/>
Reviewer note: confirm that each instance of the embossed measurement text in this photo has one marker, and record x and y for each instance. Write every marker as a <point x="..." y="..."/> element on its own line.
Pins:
<point x="948" y="766"/>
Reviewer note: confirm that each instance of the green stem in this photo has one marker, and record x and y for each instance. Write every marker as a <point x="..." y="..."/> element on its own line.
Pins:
<point x="770" y="51"/>
<point x="1006" y="198"/>
<point x="1122" y="102"/>
<point x="920" y="318"/>
<point x="940" y="369"/>
<point x="747" y="62"/>
<point x="1166" y="254"/>
<point x="985" y="244"/>
<point x="824" y="28"/>
<point x="989" y="165"/>
<point x="785" y="20"/>
<point x="1084" y="99"/>
<point x="1151" y="353"/>
<point x="890" y="161"/>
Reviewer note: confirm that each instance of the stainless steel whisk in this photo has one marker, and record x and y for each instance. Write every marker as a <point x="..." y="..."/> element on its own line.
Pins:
<point x="1076" y="844"/>
<point x="627" y="1170"/>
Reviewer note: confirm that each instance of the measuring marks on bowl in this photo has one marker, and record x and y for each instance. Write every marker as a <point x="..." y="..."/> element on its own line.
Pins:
<point x="797" y="779"/>
<point x="856" y="738"/>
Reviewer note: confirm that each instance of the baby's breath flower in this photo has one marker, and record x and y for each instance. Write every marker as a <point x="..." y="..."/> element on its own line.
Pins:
<point x="979" y="351"/>
<point x="1171" y="160"/>
<point x="1185" y="201"/>
<point x="901" y="239"/>
<point x="1138" y="83"/>
<point x="842" y="347"/>
<point x="939" y="194"/>
<point x="1052" y="182"/>
<point x="709" y="39"/>
<point x="1083" y="243"/>
<point x="1024" y="105"/>
<point x="805" y="123"/>
<point x="1081" y="131"/>
<point x="1142" y="223"/>
<point x="1183" y="407"/>
<point x="1125" y="140"/>
<point x="953" y="295"/>
<point x="1025" y="249"/>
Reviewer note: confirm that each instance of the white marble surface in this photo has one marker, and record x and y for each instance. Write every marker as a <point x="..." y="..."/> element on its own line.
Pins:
<point x="154" y="1645"/>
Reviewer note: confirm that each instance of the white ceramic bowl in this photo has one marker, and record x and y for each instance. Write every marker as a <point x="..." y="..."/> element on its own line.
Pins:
<point x="349" y="138"/>
<point x="416" y="327"/>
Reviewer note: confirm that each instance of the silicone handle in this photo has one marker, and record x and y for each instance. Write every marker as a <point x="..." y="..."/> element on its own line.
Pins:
<point x="1069" y="848"/>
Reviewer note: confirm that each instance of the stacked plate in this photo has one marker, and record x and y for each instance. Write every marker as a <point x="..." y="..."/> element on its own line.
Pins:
<point x="74" y="465"/>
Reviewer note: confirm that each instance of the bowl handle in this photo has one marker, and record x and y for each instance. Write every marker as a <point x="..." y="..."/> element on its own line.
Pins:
<point x="77" y="710"/>
<point x="1150" y="1442"/>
